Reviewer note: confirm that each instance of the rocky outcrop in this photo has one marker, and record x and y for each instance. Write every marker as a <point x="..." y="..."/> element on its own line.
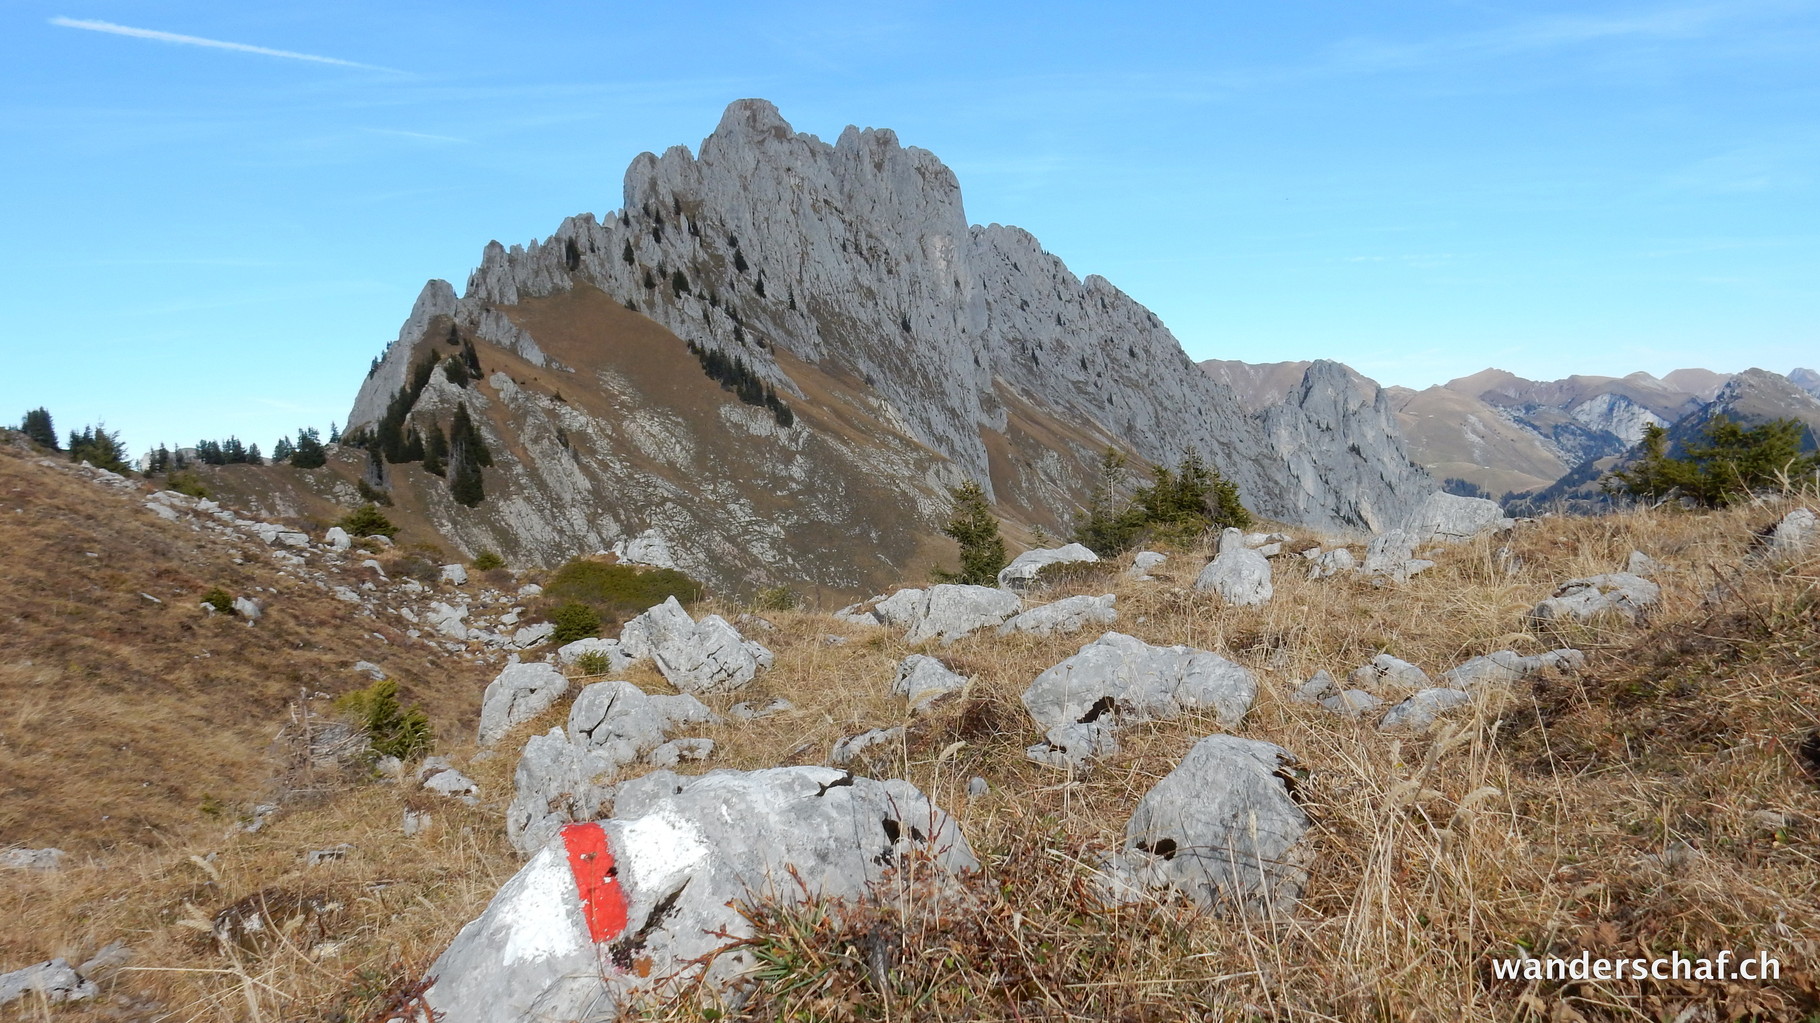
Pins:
<point x="843" y="273"/>
<point x="1023" y="570"/>
<point x="946" y="611"/>
<point x="923" y="680"/>
<point x="518" y="694"/>
<point x="1238" y="574"/>
<point x="613" y="912"/>
<point x="1614" y="593"/>
<point x="709" y="656"/>
<point x="1070" y="614"/>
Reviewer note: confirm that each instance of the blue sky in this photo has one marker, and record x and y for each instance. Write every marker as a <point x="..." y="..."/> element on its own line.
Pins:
<point x="205" y="239"/>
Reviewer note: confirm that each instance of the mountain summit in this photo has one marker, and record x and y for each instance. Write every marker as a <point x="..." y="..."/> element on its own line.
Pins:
<point x="885" y="350"/>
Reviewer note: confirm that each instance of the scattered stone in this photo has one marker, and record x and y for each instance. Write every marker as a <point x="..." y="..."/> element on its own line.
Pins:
<point x="1419" y="711"/>
<point x="617" y="661"/>
<point x="445" y="619"/>
<point x="744" y="711"/>
<point x="455" y="575"/>
<point x="1387" y="670"/>
<point x="1352" y="703"/>
<point x="860" y="613"/>
<point x="676" y="751"/>
<point x="1793" y="535"/>
<point x="529" y="590"/>
<point x="947" y="611"/>
<point x="653" y="893"/>
<point x="107" y="959"/>
<point x="32" y="859"/>
<point x="977" y="787"/>
<point x="1327" y="564"/>
<point x="317" y="857"/>
<point x="1581" y="600"/>
<point x="1142" y="563"/>
<point x="1642" y="565"/>
<point x="452" y="783"/>
<point x="337" y="538"/>
<point x="1450" y="517"/>
<point x="1023" y="570"/>
<point x="1070" y="614"/>
<point x="371" y="670"/>
<point x="54" y="981"/>
<point x="923" y="681"/>
<point x="852" y="746"/>
<point x="1238" y="574"/>
<point x="531" y="635"/>
<point x="1390" y="557"/>
<point x="416" y="822"/>
<point x="517" y="694"/>
<point x="248" y="608"/>
<point x="1510" y="666"/>
<point x="1221" y="829"/>
<point x="276" y="916"/>
<point x="709" y="656"/>
<point x="1319" y="687"/>
<point x="1118" y="679"/>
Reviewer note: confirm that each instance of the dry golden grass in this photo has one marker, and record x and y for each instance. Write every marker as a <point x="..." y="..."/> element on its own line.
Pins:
<point x="1653" y="802"/>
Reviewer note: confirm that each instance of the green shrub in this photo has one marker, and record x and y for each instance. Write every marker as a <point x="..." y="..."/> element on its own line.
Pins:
<point x="219" y="599"/>
<point x="1177" y="507"/>
<point x="367" y="520"/>
<point x="1732" y="464"/>
<point x="776" y="598"/>
<point x="594" y="662"/>
<point x="394" y="731"/>
<point x="574" y="621"/>
<point x="186" y="482"/>
<point x="487" y="560"/>
<point x="615" y="590"/>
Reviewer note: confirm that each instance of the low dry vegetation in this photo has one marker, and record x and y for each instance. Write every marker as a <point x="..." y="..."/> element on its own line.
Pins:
<point x="1658" y="801"/>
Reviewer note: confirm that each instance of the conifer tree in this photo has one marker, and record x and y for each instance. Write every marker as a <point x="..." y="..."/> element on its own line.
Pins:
<point x="973" y="526"/>
<point x="309" y="453"/>
<point x="38" y="429"/>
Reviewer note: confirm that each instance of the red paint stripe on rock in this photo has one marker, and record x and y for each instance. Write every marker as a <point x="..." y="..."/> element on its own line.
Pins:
<point x="603" y="901"/>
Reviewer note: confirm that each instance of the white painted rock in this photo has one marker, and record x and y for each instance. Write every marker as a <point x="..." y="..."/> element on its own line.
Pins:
<point x="611" y="913"/>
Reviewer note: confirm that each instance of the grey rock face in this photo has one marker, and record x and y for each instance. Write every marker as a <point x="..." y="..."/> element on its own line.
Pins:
<point x="1509" y="666"/>
<point x="54" y="981"/>
<point x="683" y="854"/>
<point x="858" y="256"/>
<point x="946" y="611"/>
<point x="1118" y="679"/>
<point x="1022" y="571"/>
<point x="1240" y="575"/>
<point x="1581" y="600"/>
<point x="1221" y="829"/>
<point x="709" y="656"/>
<point x="1070" y="614"/>
<point x="519" y="693"/>
<point x="1420" y="711"/>
<point x="923" y="681"/>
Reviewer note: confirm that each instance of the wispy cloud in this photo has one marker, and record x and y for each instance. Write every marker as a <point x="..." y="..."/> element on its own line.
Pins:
<point x="426" y="136"/>
<point x="172" y="37"/>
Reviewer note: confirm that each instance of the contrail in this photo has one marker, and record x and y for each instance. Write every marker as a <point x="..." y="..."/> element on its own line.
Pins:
<point x="172" y="37"/>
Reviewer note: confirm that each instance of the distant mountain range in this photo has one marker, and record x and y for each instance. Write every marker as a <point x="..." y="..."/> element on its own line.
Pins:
<point x="1505" y="436"/>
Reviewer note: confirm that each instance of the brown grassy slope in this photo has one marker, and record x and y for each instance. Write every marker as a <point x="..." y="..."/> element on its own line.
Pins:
<point x="1653" y="802"/>
<point x="120" y="715"/>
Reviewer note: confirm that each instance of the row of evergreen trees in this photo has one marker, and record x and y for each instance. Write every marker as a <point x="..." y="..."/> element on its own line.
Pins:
<point x="399" y="437"/>
<point x="733" y="374"/>
<point x="96" y="445"/>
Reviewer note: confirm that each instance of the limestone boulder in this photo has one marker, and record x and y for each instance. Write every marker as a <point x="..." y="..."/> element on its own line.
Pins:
<point x="709" y="656"/>
<point x="1240" y="575"/>
<point x="53" y="982"/>
<point x="1793" y="535"/>
<point x="1119" y="679"/>
<point x="1327" y="564"/>
<point x="1070" y="614"/>
<point x="611" y="914"/>
<point x="570" y="653"/>
<point x="1021" y="574"/>
<point x="1384" y="670"/>
<point x="1510" y="666"/>
<point x="1221" y="829"/>
<point x="1450" y="517"/>
<point x="1142" y="562"/>
<point x="517" y="694"/>
<point x="924" y="681"/>
<point x="1615" y="593"/>
<point x="1421" y="710"/>
<point x="947" y="611"/>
